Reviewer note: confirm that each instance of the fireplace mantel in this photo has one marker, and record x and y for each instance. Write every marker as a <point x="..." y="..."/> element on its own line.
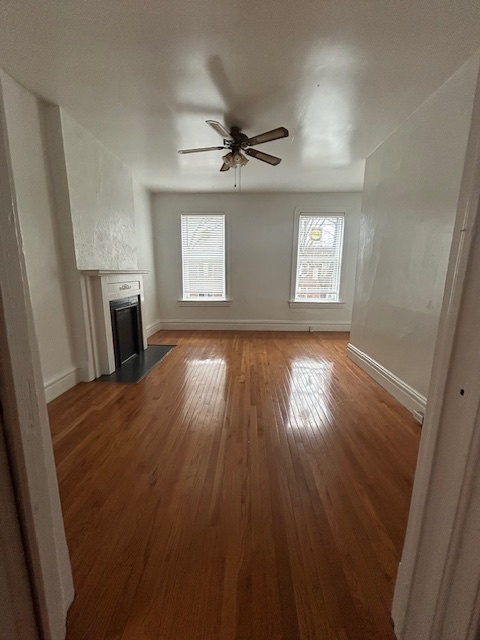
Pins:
<point x="110" y="272"/>
<point x="101" y="287"/>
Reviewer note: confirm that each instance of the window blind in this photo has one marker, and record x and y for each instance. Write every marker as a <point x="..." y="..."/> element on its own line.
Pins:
<point x="319" y="258"/>
<point x="203" y="256"/>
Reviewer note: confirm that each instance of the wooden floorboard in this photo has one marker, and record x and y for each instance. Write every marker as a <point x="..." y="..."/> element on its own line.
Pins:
<point x="254" y="486"/>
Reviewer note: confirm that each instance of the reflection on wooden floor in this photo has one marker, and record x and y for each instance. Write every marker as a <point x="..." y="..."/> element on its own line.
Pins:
<point x="255" y="486"/>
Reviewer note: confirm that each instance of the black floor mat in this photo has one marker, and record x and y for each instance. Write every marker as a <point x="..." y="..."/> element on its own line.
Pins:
<point x="137" y="368"/>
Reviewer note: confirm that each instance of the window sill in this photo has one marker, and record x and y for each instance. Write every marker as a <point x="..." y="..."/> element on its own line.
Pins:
<point x="316" y="305"/>
<point x="204" y="303"/>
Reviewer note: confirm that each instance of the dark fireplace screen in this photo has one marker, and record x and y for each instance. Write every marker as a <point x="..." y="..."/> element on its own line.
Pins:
<point x="126" y="328"/>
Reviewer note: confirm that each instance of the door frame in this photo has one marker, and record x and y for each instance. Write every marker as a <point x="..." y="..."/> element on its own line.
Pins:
<point x="25" y="423"/>
<point x="17" y="611"/>
<point x="438" y="583"/>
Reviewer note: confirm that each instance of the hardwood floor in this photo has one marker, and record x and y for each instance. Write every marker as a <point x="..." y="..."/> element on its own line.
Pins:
<point x="253" y="486"/>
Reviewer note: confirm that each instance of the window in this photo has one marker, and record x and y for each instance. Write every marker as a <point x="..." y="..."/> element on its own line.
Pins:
<point x="319" y="258"/>
<point x="203" y="256"/>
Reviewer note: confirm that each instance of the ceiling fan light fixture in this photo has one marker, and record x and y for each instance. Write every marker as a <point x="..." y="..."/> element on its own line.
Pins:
<point x="239" y="159"/>
<point x="228" y="159"/>
<point x="235" y="159"/>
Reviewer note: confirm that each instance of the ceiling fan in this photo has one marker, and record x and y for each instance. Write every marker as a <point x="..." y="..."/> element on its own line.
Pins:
<point x="238" y="143"/>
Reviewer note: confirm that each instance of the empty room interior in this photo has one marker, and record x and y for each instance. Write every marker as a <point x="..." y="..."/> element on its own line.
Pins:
<point x="227" y="233"/>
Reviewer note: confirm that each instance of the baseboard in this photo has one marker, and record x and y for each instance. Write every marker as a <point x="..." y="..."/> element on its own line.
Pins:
<point x="58" y="385"/>
<point x="254" y="325"/>
<point x="404" y="393"/>
<point x="153" y="327"/>
<point x="85" y="374"/>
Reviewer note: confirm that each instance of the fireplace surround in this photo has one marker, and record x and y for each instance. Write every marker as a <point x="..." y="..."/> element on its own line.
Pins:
<point x="101" y="288"/>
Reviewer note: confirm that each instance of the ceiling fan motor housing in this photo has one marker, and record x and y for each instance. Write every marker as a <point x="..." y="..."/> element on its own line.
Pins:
<point x="240" y="140"/>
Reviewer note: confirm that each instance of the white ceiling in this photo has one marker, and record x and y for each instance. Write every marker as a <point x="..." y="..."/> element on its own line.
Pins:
<point x="144" y="75"/>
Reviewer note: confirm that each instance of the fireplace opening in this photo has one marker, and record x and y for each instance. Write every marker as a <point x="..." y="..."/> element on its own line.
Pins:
<point x="126" y="327"/>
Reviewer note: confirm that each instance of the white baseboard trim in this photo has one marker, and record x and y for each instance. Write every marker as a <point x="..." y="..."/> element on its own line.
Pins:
<point x="58" y="385"/>
<point x="85" y="374"/>
<point x="254" y="325"/>
<point x="153" y="327"/>
<point x="404" y="393"/>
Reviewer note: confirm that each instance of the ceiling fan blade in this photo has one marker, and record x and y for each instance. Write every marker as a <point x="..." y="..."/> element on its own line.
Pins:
<point x="224" y="167"/>
<point x="268" y="136"/>
<point x="201" y="149"/>
<point x="264" y="157"/>
<point x="219" y="128"/>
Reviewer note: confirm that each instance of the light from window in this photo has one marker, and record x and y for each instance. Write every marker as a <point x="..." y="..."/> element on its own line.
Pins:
<point x="203" y="256"/>
<point x="319" y="258"/>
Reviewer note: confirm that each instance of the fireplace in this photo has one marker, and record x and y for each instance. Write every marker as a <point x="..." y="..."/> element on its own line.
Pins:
<point x="113" y="307"/>
<point x="126" y="328"/>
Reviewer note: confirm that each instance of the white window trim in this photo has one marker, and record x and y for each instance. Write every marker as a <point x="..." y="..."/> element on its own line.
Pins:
<point x="327" y="304"/>
<point x="181" y="302"/>
<point x="204" y="303"/>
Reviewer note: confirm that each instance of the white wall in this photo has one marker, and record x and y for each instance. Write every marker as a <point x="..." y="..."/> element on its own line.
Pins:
<point x="410" y="198"/>
<point x="146" y="257"/>
<point x="101" y="201"/>
<point x="259" y="255"/>
<point x="24" y="119"/>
